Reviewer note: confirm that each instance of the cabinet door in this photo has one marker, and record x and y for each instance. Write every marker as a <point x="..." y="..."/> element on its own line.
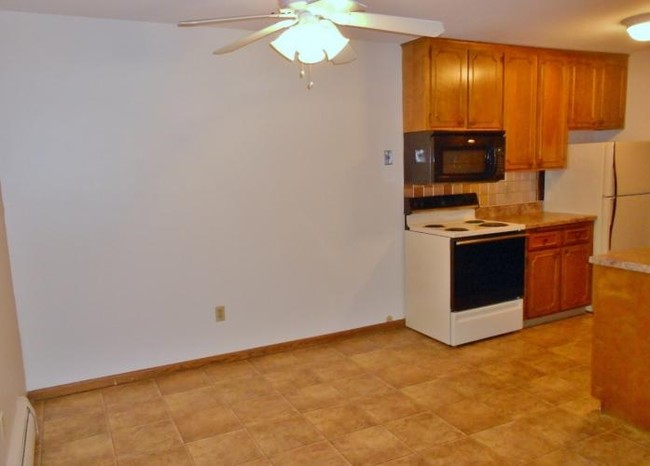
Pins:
<point x="520" y="108"/>
<point x="585" y="88"/>
<point x="613" y="93"/>
<point x="598" y="85"/>
<point x="485" y="88"/>
<point x="542" y="278"/>
<point x="448" y="94"/>
<point x="416" y="85"/>
<point x="575" y="286"/>
<point x="552" y="111"/>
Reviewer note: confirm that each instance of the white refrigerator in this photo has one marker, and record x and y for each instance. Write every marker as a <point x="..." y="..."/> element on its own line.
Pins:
<point x="610" y="180"/>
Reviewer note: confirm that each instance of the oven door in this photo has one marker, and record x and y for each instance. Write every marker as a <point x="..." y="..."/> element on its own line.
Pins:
<point x="487" y="270"/>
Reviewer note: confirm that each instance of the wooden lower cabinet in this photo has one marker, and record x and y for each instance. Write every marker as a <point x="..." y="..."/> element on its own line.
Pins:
<point x="558" y="273"/>
<point x="576" y="272"/>
<point x="542" y="278"/>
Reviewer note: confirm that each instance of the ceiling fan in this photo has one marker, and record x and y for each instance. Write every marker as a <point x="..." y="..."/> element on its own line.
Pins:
<point x="311" y="34"/>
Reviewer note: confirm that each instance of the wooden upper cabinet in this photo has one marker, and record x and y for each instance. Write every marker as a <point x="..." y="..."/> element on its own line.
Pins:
<point x="448" y="98"/>
<point x="485" y="87"/>
<point x="520" y="108"/>
<point x="598" y="84"/>
<point x="536" y="95"/>
<point x="614" y="93"/>
<point x="416" y="85"/>
<point x="583" y="111"/>
<point x="552" y="110"/>
<point x="452" y="85"/>
<point x="535" y="109"/>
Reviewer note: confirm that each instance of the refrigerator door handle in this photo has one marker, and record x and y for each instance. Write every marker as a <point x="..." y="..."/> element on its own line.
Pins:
<point x="611" y="223"/>
<point x="614" y="200"/>
<point x="614" y="172"/>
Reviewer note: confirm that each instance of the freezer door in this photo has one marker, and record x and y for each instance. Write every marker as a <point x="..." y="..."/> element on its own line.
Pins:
<point x="632" y="168"/>
<point x="579" y="187"/>
<point x="631" y="222"/>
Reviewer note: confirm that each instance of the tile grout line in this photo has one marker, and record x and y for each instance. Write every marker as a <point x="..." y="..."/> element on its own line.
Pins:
<point x="171" y="418"/>
<point x="302" y="416"/>
<point x="571" y="406"/>
<point x="243" y="425"/>
<point x="107" y="420"/>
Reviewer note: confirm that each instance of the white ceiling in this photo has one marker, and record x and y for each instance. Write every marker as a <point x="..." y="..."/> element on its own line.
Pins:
<point x="571" y="24"/>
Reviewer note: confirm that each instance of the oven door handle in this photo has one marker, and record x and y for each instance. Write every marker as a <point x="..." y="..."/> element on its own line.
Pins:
<point x="492" y="239"/>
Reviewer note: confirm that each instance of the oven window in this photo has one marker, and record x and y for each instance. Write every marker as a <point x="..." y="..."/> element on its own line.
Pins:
<point x="463" y="161"/>
<point x="486" y="271"/>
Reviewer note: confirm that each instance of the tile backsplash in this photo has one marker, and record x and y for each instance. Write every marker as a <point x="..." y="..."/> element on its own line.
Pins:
<point x="516" y="188"/>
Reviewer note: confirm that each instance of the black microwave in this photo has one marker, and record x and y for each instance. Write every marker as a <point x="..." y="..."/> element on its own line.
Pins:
<point x="454" y="156"/>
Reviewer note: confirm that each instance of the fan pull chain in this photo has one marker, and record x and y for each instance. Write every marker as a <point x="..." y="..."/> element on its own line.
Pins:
<point x="303" y="73"/>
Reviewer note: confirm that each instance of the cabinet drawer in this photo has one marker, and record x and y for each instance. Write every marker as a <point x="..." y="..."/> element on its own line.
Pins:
<point x="577" y="235"/>
<point x="547" y="239"/>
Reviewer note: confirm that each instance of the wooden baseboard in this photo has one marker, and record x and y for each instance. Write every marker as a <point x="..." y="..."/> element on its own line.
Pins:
<point x="133" y="376"/>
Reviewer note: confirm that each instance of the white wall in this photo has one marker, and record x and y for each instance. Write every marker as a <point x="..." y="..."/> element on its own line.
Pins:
<point x="637" y="121"/>
<point x="147" y="181"/>
<point x="12" y="375"/>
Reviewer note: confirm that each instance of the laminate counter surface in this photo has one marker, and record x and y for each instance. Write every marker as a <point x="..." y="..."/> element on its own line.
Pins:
<point x="543" y="219"/>
<point x="635" y="260"/>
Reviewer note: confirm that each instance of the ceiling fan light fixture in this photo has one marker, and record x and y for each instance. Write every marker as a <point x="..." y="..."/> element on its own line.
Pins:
<point x="311" y="41"/>
<point x="286" y="44"/>
<point x="332" y="39"/>
<point x="638" y="27"/>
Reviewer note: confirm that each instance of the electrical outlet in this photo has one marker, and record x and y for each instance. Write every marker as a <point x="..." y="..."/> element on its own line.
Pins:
<point x="220" y="313"/>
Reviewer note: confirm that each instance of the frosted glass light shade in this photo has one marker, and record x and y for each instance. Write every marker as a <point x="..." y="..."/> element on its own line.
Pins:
<point x="286" y="44"/>
<point x="310" y="41"/>
<point x="332" y="39"/>
<point x="638" y="27"/>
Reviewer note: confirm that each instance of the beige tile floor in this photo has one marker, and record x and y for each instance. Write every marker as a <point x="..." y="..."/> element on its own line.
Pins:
<point x="389" y="397"/>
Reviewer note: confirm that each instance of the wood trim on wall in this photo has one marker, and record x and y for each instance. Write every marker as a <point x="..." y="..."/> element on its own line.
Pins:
<point x="133" y="376"/>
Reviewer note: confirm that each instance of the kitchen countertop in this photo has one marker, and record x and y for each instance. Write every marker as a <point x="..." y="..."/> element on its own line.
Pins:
<point x="635" y="260"/>
<point x="532" y="216"/>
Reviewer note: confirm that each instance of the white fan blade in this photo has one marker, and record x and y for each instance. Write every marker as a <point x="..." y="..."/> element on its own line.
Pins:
<point x="398" y="24"/>
<point x="207" y="22"/>
<point x="338" y="6"/>
<point x="346" y="55"/>
<point x="256" y="36"/>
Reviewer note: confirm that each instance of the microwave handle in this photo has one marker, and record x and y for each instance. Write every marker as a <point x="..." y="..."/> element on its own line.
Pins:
<point x="491" y="159"/>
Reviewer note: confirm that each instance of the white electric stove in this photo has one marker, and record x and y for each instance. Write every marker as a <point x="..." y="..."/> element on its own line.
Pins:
<point x="464" y="276"/>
